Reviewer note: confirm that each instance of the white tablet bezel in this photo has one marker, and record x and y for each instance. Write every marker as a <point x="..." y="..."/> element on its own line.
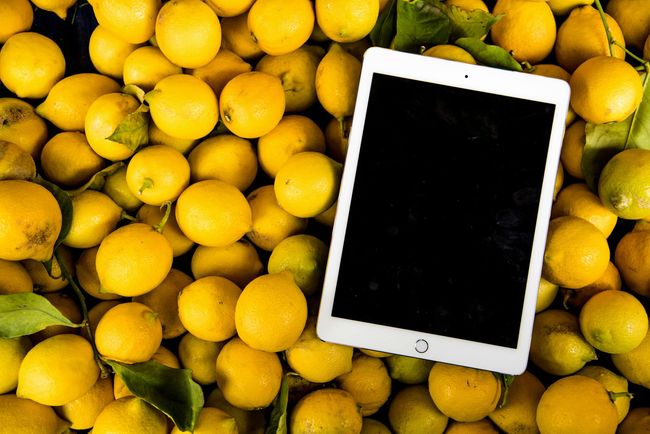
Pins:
<point x="413" y="343"/>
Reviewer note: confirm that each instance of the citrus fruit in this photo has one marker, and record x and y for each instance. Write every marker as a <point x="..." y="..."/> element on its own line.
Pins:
<point x="633" y="17"/>
<point x="200" y="356"/>
<point x="15" y="162"/>
<point x="468" y="5"/>
<point x="12" y="353"/>
<point x="483" y="426"/>
<point x="94" y="215"/>
<point x="621" y="186"/>
<point x="157" y="137"/>
<point x="337" y="81"/>
<point x="212" y="420"/>
<point x="130" y="415"/>
<point x="345" y="20"/>
<point x="368" y="382"/>
<point x="519" y="411"/>
<point x="373" y="426"/>
<point x="573" y="145"/>
<point x="336" y="138"/>
<point x="225" y="66"/>
<point x="252" y="421"/>
<point x="230" y="8"/>
<point x="14" y="278"/>
<point x="636" y="422"/>
<point x="20" y="124"/>
<point x="162" y="356"/>
<point x="86" y="274"/>
<point x="238" y="262"/>
<point x="408" y="370"/>
<point x="632" y="260"/>
<point x="610" y="280"/>
<point x="449" y="52"/>
<point x="614" y="383"/>
<point x="578" y="200"/>
<point x="305" y="256"/>
<point x="411" y="411"/>
<point x="146" y="66"/>
<point x="633" y="364"/>
<point x="24" y="416"/>
<point x="68" y="160"/>
<point x="154" y="215"/>
<point x="115" y="186"/>
<point x="325" y="411"/>
<point x="83" y="411"/>
<point x="546" y="294"/>
<point x="52" y="280"/>
<point x="563" y="7"/>
<point x="281" y="26"/>
<point x="237" y="38"/>
<point x="132" y="20"/>
<point x="96" y="313"/>
<point x="108" y="52"/>
<point x="18" y="17"/>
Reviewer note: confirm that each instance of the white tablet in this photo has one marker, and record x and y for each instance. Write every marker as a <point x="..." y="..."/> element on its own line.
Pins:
<point x="437" y="245"/>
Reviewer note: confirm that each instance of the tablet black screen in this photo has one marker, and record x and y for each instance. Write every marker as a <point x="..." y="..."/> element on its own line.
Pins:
<point x="443" y="210"/>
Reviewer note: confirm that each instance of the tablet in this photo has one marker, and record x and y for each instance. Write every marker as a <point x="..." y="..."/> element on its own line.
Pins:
<point x="443" y="210"/>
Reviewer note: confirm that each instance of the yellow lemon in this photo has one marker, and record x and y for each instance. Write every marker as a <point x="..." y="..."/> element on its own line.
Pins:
<point x="633" y="364"/>
<point x="248" y="378"/>
<point x="611" y="279"/>
<point x="336" y="138"/>
<point x="238" y="262"/>
<point x="214" y="223"/>
<point x="248" y="421"/>
<point x="157" y="137"/>
<point x="326" y="411"/>
<point x="206" y="307"/>
<point x="225" y="66"/>
<point x="14" y="278"/>
<point x="614" y="383"/>
<point x="188" y="23"/>
<point x="308" y="184"/>
<point x="57" y="370"/>
<point x="281" y="26"/>
<point x="83" y="411"/>
<point x="450" y="52"/>
<point x="153" y="215"/>
<point x="271" y="312"/>
<point x="230" y="8"/>
<point x="94" y="215"/>
<point x="468" y="5"/>
<point x="408" y="370"/>
<point x="412" y="411"/>
<point x="24" y="416"/>
<point x="183" y="106"/>
<point x="368" y="382"/>
<point x="30" y="221"/>
<point x="108" y="52"/>
<point x="95" y="314"/>
<point x="132" y="20"/>
<point x="337" y="81"/>
<point x="68" y="160"/>
<point x="116" y="340"/>
<point x="297" y="72"/>
<point x="621" y="186"/>
<point x="631" y="258"/>
<point x="212" y="420"/>
<point x="252" y="104"/>
<point x="18" y="16"/>
<point x="163" y="300"/>
<point x="636" y="422"/>
<point x="15" y="162"/>
<point x="20" y="124"/>
<point x="563" y="7"/>
<point x="87" y="277"/>
<point x="373" y="353"/>
<point x="345" y="20"/>
<point x="133" y="259"/>
<point x="59" y="7"/>
<point x="225" y="157"/>
<point x="70" y="98"/>
<point x="30" y="64"/>
<point x="237" y="38"/>
<point x="12" y="353"/>
<point x="305" y="256"/>
<point x="577" y="200"/>
<point x="557" y="346"/>
<point x="633" y="16"/>
<point x="130" y="415"/>
<point x="483" y="426"/>
<point x="546" y="294"/>
<point x="146" y="66"/>
<point x="294" y="133"/>
<point x="573" y="145"/>
<point x="560" y="412"/>
<point x="115" y="186"/>
<point x="372" y="426"/>
<point x="271" y="224"/>
<point x="316" y="360"/>
<point x="519" y="412"/>
<point x="53" y="280"/>
<point x="200" y="356"/>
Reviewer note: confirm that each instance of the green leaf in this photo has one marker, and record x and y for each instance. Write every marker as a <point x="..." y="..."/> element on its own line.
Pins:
<point x="278" y="421"/>
<point x="25" y="313"/>
<point x="65" y="204"/>
<point x="133" y="90"/>
<point x="170" y="390"/>
<point x="98" y="179"/>
<point x="506" y="380"/>
<point x="133" y="131"/>
<point x="639" y="136"/>
<point x="471" y="24"/>
<point x="490" y="55"/>
<point x="384" y="31"/>
<point x="421" y="23"/>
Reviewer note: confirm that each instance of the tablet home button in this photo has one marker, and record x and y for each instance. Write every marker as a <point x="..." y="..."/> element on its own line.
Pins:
<point x="421" y="346"/>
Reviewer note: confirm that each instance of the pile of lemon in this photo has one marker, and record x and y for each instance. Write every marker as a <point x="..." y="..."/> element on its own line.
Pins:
<point x="174" y="204"/>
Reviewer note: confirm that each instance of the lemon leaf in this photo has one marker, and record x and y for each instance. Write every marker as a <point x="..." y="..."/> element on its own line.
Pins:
<point x="136" y="91"/>
<point x="472" y="24"/>
<point x="170" y="390"/>
<point x="490" y="55"/>
<point x="65" y="204"/>
<point x="278" y="419"/>
<point x="384" y="30"/>
<point x="420" y="23"/>
<point x="133" y="131"/>
<point x="98" y="179"/>
<point x="25" y="313"/>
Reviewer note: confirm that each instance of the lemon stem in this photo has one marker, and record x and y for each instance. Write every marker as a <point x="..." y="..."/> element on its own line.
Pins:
<point x="613" y="396"/>
<point x="163" y="221"/>
<point x="126" y="216"/>
<point x="610" y="39"/>
<point x="147" y="183"/>
<point x="632" y="55"/>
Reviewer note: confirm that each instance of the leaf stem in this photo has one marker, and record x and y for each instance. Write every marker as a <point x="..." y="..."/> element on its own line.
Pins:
<point x="603" y="17"/>
<point x="126" y="216"/>
<point x="163" y="221"/>
<point x="642" y="61"/>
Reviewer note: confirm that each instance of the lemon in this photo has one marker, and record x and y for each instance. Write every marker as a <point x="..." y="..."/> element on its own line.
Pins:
<point x="610" y="280"/>
<point x="225" y="157"/>
<point x="116" y="187"/>
<point x="613" y="383"/>
<point x="621" y="184"/>
<point x="408" y="370"/>
<point x="573" y="145"/>
<point x="633" y="16"/>
<point x="30" y="64"/>
<point x="578" y="200"/>
<point x="237" y="38"/>
<point x="546" y="294"/>
<point x="271" y="312"/>
<point x="15" y="162"/>
<point x="560" y="412"/>
<point x="94" y="215"/>
<point x="53" y="280"/>
<point x="271" y="224"/>
<point x="519" y="412"/>
<point x="372" y="426"/>
<point x="30" y="221"/>
<point x="70" y="98"/>
<point x="307" y="184"/>
<point x="337" y="81"/>
<point x="214" y="223"/>
<point x="559" y="180"/>
<point x="206" y="307"/>
<point x="297" y="72"/>
<point x="483" y="426"/>
<point x="83" y="411"/>
<point x="373" y="353"/>
<point x="86" y="274"/>
<point x="24" y="416"/>
<point x="238" y="262"/>
<point x="336" y="139"/>
<point x="14" y="278"/>
<point x="153" y="215"/>
<point x="163" y="300"/>
<point x="115" y="339"/>
<point x="68" y="160"/>
<point x="248" y="378"/>
<point x="582" y="36"/>
<point x="326" y="411"/>
<point x="411" y="411"/>
<point x="146" y="66"/>
<point x="157" y="137"/>
<point x="12" y="353"/>
<point x="59" y="7"/>
<point x="230" y="8"/>
<point x="248" y="421"/>
<point x="18" y="16"/>
<point x="132" y="20"/>
<point x="95" y="314"/>
<point x="57" y="370"/>
<point x="19" y="124"/>
<point x="368" y="382"/>
<point x="327" y="217"/>
<point x="188" y="23"/>
<point x="557" y="346"/>
<point x="450" y="52"/>
<point x="563" y="7"/>
<point x="252" y="104"/>
<point x="636" y="422"/>
<point x="305" y="256"/>
<point x="468" y="5"/>
<point x="133" y="259"/>
<point x="183" y="106"/>
<point x="345" y="20"/>
<point x="316" y="360"/>
<point x="631" y="258"/>
<point x="294" y="133"/>
<point x="200" y="356"/>
<point x="633" y="364"/>
<point x="130" y="415"/>
<point x="212" y="420"/>
<point x="225" y="66"/>
<point x="108" y="52"/>
<point x="281" y="26"/>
